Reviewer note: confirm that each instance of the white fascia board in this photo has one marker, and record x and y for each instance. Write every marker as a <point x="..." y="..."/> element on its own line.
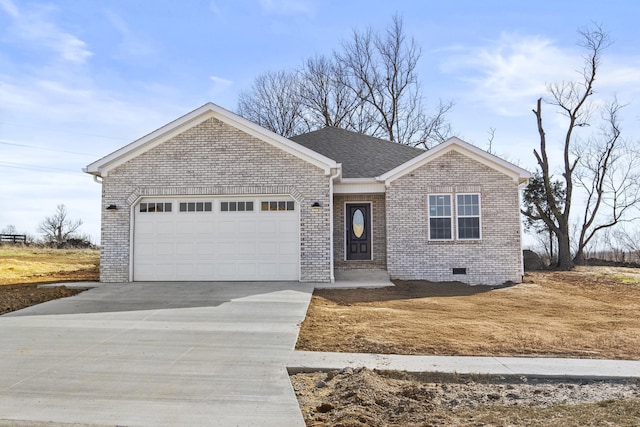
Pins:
<point x="358" y="186"/>
<point x="517" y="173"/>
<point x="194" y="118"/>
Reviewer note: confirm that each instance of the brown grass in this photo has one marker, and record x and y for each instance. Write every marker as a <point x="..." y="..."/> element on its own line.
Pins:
<point x="25" y="264"/>
<point x="590" y="312"/>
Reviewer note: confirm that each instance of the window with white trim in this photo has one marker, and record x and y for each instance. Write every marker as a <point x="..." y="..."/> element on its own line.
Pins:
<point x="278" y="205"/>
<point x="440" y="217"/>
<point x="235" y="206"/>
<point x="196" y="207"/>
<point x="468" y="213"/>
<point x="155" y="207"/>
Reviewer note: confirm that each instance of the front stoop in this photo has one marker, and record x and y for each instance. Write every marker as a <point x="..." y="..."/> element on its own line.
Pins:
<point x="349" y="279"/>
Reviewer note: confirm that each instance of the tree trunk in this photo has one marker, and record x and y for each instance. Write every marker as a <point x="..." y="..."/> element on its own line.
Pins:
<point x="565" y="261"/>
<point x="579" y="259"/>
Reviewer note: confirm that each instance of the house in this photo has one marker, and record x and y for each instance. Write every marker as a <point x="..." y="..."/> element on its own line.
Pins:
<point x="212" y="196"/>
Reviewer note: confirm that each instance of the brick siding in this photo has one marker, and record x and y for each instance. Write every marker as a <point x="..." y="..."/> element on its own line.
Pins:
<point x="494" y="259"/>
<point x="213" y="158"/>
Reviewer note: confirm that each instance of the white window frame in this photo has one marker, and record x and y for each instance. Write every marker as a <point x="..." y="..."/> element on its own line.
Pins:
<point x="450" y="216"/>
<point x="479" y="216"/>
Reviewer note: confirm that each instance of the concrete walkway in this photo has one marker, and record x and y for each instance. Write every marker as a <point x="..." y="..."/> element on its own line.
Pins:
<point x="307" y="361"/>
<point x="193" y="354"/>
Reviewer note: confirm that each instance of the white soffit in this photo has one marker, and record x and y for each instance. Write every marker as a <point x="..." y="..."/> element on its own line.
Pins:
<point x="358" y="186"/>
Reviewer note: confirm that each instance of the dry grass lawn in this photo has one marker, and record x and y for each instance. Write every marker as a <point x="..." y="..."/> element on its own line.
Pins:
<point x="22" y="268"/>
<point x="591" y="312"/>
<point x="25" y="264"/>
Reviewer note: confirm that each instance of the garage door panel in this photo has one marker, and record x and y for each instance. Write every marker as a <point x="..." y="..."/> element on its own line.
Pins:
<point x="184" y="227"/>
<point x="246" y="248"/>
<point x="288" y="269"/>
<point x="288" y="249"/>
<point x="204" y="227"/>
<point x="144" y="228"/>
<point x="214" y="245"/>
<point x="205" y="248"/>
<point x="268" y="227"/>
<point x="288" y="227"/>
<point x="165" y="227"/>
<point x="164" y="248"/>
<point x="267" y="248"/>
<point x="268" y="269"/>
<point x="247" y="226"/>
<point x="183" y="248"/>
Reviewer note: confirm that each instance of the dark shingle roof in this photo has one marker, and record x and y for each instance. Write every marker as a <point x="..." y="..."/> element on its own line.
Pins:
<point x="362" y="156"/>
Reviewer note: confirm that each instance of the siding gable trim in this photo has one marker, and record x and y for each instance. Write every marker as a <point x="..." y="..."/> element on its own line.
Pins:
<point x="194" y="118"/>
<point x="455" y="144"/>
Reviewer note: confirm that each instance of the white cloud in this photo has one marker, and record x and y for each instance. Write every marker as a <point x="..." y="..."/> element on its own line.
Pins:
<point x="511" y="71"/>
<point x="36" y="28"/>
<point x="132" y="44"/>
<point x="219" y="84"/>
<point x="9" y="8"/>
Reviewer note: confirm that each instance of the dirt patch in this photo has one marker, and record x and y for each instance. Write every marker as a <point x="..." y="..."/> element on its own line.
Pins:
<point x="590" y="312"/>
<point x="376" y="398"/>
<point x="17" y="297"/>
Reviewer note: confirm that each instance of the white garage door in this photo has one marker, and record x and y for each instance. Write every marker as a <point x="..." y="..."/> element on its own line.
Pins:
<point x="216" y="239"/>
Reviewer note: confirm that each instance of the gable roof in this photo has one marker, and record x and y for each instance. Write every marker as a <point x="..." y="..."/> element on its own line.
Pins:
<point x="103" y="166"/>
<point x="455" y="144"/>
<point x="361" y="156"/>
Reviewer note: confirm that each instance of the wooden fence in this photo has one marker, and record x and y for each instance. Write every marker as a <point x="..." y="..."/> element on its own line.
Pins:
<point x="13" y="238"/>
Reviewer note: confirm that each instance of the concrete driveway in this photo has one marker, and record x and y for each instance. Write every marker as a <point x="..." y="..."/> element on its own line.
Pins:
<point x="154" y="354"/>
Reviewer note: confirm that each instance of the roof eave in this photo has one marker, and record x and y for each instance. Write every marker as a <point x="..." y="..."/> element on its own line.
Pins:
<point x="517" y="173"/>
<point x="195" y="117"/>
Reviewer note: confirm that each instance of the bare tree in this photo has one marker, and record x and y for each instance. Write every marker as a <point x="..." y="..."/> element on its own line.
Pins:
<point x="382" y="72"/>
<point x="599" y="168"/>
<point x="371" y="86"/>
<point x="274" y="103"/>
<point x="9" y="229"/>
<point x="59" y="227"/>
<point x="328" y="100"/>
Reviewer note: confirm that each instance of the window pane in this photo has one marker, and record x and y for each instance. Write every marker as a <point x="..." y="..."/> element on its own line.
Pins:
<point x="440" y="205"/>
<point x="143" y="207"/>
<point x="233" y="206"/>
<point x="241" y="206"/>
<point x="440" y="228"/>
<point x="469" y="228"/>
<point x="207" y="206"/>
<point x="159" y="207"/>
<point x="290" y="206"/>
<point x="167" y="207"/>
<point x="273" y="206"/>
<point x="183" y="207"/>
<point x="264" y="206"/>
<point x="249" y="206"/>
<point x="151" y="207"/>
<point x="224" y="206"/>
<point x="191" y="206"/>
<point x="468" y="205"/>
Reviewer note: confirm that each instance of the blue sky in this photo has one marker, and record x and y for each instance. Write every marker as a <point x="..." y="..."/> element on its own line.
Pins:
<point x="79" y="79"/>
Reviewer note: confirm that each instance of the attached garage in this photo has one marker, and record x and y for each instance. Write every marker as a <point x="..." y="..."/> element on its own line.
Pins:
<point x="216" y="238"/>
